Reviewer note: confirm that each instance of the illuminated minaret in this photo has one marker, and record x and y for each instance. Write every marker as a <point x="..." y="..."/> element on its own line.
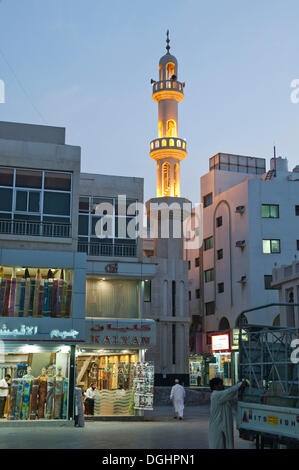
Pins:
<point x="168" y="149"/>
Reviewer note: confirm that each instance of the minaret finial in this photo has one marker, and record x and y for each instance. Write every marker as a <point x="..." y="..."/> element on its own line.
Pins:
<point x="168" y="41"/>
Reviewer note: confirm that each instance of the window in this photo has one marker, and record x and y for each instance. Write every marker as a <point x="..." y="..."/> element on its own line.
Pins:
<point x="220" y="254"/>
<point x="147" y="294"/>
<point x="210" y="308"/>
<point x="208" y="243"/>
<point x="267" y="282"/>
<point x="220" y="287"/>
<point x="270" y="211"/>
<point x="197" y="293"/>
<point x="189" y="294"/>
<point x="196" y="262"/>
<point x="5" y="199"/>
<point x="209" y="275"/>
<point x="28" y="179"/>
<point x="271" y="246"/>
<point x="27" y="201"/>
<point x="189" y="264"/>
<point x="296" y="210"/>
<point x="6" y="176"/>
<point x="58" y="181"/>
<point x="208" y="200"/>
<point x="219" y="221"/>
<point x="57" y="203"/>
<point x="297" y="244"/>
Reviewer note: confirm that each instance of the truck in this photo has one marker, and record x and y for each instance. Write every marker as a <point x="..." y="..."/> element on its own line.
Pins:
<point x="268" y="408"/>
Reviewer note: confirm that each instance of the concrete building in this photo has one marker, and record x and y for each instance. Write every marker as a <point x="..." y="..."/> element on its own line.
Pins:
<point x="250" y="223"/>
<point x="71" y="292"/>
<point x="286" y="279"/>
<point x="165" y="216"/>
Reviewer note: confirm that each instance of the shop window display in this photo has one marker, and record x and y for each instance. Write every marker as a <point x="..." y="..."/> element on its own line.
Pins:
<point x="35" y="292"/>
<point x="39" y="391"/>
<point x="117" y="383"/>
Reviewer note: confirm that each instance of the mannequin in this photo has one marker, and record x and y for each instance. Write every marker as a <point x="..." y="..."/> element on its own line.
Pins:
<point x="29" y="374"/>
<point x="50" y="393"/>
<point x="58" y="393"/>
<point x="42" y="393"/>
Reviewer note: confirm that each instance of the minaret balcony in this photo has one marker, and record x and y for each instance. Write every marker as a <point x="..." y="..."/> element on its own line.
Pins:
<point x="168" y="89"/>
<point x="168" y="146"/>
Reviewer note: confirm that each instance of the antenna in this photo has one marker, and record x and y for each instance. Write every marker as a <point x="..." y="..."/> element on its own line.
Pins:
<point x="274" y="153"/>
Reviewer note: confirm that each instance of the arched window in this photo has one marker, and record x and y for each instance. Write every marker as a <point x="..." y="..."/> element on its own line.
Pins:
<point x="152" y="145"/>
<point x="224" y="324"/>
<point x="178" y="143"/>
<point x="276" y="321"/>
<point x="241" y="320"/>
<point x="157" y="144"/>
<point x="166" y="178"/>
<point x="170" y="70"/>
<point x="171" y="128"/>
<point x="160" y="73"/>
<point x="164" y="143"/>
<point x="171" y="142"/>
<point x="160" y="129"/>
<point x="184" y="145"/>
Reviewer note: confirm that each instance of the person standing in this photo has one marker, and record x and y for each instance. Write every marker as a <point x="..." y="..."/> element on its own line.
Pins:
<point x="4" y="387"/>
<point x="177" y="397"/>
<point x="89" y="399"/>
<point x="221" y="431"/>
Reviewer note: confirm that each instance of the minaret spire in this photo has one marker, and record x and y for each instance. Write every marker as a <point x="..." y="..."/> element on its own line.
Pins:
<point x="167" y="41"/>
<point x="168" y="149"/>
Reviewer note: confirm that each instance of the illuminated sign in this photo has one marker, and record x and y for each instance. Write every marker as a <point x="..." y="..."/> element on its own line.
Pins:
<point x="121" y="333"/>
<point x="220" y="342"/>
<point x="23" y="331"/>
<point x="64" y="334"/>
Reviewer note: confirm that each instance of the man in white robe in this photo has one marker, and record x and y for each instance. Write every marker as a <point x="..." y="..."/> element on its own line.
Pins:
<point x="177" y="396"/>
<point x="221" y="431"/>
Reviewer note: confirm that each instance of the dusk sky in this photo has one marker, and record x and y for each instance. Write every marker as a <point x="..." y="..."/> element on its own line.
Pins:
<point x="86" y="65"/>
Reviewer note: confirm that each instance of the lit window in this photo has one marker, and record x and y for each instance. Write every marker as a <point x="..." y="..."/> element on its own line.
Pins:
<point x="178" y="143"/>
<point x="271" y="246"/>
<point x="270" y="211"/>
<point x="164" y="143"/>
<point x="157" y="143"/>
<point x="184" y="145"/>
<point x="152" y="145"/>
<point x="171" y="142"/>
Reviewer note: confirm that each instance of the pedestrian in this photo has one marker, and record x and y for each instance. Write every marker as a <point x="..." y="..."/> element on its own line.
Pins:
<point x="198" y="378"/>
<point x="4" y="387"/>
<point x="89" y="399"/>
<point x="177" y="396"/>
<point x="221" y="431"/>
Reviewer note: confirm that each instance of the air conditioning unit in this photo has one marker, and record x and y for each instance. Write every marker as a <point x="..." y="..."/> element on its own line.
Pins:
<point x="243" y="280"/>
<point x="240" y="209"/>
<point x="241" y="243"/>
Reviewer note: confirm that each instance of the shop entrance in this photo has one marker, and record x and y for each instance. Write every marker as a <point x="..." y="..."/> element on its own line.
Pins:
<point x="109" y="384"/>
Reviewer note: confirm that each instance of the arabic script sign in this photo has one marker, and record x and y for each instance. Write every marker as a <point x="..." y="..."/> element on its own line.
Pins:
<point x="64" y="334"/>
<point x="22" y="331"/>
<point x="121" y="333"/>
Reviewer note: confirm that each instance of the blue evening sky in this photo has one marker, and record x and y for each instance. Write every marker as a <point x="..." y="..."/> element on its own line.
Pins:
<point x="86" y="65"/>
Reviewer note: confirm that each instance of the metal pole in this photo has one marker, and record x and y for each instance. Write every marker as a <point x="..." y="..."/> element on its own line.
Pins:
<point x="72" y="381"/>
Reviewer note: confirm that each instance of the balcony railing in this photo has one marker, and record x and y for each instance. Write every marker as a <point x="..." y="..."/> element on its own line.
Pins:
<point x="168" y="142"/>
<point x="34" y="229"/>
<point x="103" y="249"/>
<point x="168" y="85"/>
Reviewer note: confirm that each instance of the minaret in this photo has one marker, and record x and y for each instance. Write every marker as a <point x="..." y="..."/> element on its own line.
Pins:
<point x="168" y="149"/>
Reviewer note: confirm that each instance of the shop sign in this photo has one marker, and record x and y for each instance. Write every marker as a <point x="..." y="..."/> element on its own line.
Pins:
<point x="111" y="268"/>
<point x="235" y="338"/>
<point x="109" y="333"/>
<point x="64" y="334"/>
<point x="220" y="342"/>
<point x="22" y="331"/>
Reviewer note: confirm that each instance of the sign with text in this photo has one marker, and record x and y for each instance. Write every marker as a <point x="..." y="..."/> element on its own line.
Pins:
<point x="220" y="342"/>
<point x="121" y="333"/>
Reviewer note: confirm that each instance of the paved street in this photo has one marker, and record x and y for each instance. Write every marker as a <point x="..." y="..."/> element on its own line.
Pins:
<point x="158" y="431"/>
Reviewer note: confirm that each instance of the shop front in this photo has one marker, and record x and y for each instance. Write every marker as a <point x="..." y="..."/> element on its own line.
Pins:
<point x="111" y="370"/>
<point x="221" y="349"/>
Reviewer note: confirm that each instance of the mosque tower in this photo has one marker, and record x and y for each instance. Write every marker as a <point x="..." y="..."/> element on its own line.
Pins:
<point x="168" y="150"/>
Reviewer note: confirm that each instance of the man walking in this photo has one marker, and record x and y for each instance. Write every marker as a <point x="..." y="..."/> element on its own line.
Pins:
<point x="177" y="396"/>
<point x="221" y="431"/>
<point x="3" y="394"/>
